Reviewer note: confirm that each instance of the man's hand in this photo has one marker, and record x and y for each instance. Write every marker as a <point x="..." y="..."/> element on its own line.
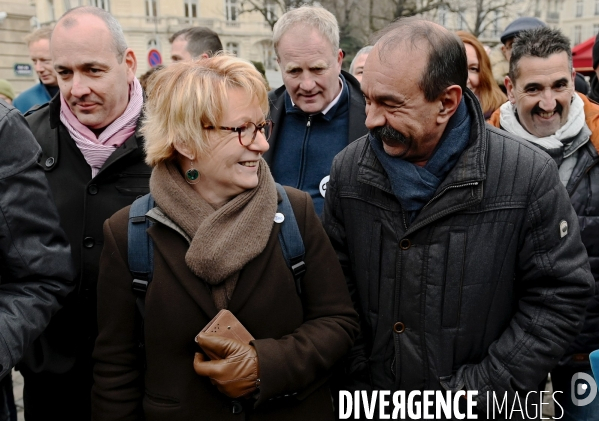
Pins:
<point x="236" y="373"/>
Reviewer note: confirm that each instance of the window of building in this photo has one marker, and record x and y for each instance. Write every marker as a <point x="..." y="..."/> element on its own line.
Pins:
<point x="496" y="29"/>
<point x="442" y="16"/>
<point x="151" y="8"/>
<point x="577" y="34"/>
<point x="191" y="8"/>
<point x="596" y="7"/>
<point x="579" y="8"/>
<point x="270" y="10"/>
<point x="51" y="9"/>
<point x="233" y="48"/>
<point x="595" y="29"/>
<point x="102" y="4"/>
<point x="231" y="10"/>
<point x="70" y="4"/>
<point x="461" y="21"/>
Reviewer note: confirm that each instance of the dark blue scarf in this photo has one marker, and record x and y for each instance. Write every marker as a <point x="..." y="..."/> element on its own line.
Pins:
<point x="414" y="186"/>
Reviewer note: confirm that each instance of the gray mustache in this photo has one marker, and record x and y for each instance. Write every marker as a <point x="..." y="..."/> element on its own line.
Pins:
<point x="388" y="133"/>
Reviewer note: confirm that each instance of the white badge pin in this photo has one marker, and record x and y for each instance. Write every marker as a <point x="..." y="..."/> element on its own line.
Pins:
<point x="563" y="229"/>
<point x="279" y="217"/>
<point x="323" y="185"/>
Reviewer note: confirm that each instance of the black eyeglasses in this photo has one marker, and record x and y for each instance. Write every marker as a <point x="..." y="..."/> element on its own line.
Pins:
<point x="246" y="134"/>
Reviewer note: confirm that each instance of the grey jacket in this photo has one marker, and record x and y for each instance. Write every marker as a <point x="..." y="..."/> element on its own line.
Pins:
<point x="36" y="271"/>
<point x="486" y="288"/>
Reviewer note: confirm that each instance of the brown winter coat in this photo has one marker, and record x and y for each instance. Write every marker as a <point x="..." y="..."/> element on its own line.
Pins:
<point x="297" y="344"/>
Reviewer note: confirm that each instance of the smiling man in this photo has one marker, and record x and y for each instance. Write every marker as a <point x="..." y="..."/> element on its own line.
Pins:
<point x="38" y="43"/>
<point x="93" y="157"/>
<point x="458" y="241"/>
<point x="320" y="108"/>
<point x="545" y="110"/>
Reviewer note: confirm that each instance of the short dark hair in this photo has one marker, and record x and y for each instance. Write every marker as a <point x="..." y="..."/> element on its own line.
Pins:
<point x="447" y="63"/>
<point x="538" y="42"/>
<point x="200" y="40"/>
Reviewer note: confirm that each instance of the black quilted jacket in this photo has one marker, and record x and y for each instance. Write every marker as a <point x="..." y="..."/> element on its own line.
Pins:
<point x="36" y="271"/>
<point x="485" y="290"/>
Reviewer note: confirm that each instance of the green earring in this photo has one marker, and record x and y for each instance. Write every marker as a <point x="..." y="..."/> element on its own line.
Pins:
<point x="192" y="176"/>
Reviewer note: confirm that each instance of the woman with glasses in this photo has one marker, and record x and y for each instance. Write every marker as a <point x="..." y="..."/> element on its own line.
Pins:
<point x="215" y="237"/>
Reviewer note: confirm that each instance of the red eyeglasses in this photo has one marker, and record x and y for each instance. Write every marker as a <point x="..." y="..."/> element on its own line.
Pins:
<point x="245" y="133"/>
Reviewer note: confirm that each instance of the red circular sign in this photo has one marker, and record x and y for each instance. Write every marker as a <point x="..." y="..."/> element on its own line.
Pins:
<point x="154" y="58"/>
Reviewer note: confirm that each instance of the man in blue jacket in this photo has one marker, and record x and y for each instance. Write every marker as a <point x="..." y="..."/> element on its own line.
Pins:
<point x="320" y="108"/>
<point x="38" y="43"/>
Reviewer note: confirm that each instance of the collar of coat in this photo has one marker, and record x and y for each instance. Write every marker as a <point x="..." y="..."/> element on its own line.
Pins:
<point x="464" y="180"/>
<point x="591" y="116"/>
<point x="470" y="167"/>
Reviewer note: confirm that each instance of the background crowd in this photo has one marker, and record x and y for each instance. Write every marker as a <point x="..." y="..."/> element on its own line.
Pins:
<point x="436" y="231"/>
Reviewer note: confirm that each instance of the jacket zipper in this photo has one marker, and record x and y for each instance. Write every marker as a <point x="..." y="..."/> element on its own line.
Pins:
<point x="300" y="181"/>
<point x="586" y="171"/>
<point x="455" y="186"/>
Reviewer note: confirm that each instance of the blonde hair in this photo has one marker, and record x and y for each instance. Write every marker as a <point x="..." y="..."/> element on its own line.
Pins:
<point x="187" y="96"/>
<point x="37" y="35"/>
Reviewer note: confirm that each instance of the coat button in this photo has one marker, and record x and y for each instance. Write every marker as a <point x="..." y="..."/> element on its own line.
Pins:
<point x="236" y="407"/>
<point x="89" y="242"/>
<point x="399" y="327"/>
<point x="405" y="244"/>
<point x="49" y="162"/>
<point x="92" y="189"/>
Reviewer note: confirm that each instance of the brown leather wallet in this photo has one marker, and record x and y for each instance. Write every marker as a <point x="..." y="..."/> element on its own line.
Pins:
<point x="226" y="324"/>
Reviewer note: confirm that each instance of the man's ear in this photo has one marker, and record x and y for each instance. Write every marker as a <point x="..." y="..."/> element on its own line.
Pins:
<point x="509" y="87"/>
<point x="131" y="62"/>
<point x="449" y="101"/>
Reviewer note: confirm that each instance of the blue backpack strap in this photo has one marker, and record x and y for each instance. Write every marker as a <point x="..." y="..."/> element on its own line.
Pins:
<point x="140" y="248"/>
<point x="291" y="240"/>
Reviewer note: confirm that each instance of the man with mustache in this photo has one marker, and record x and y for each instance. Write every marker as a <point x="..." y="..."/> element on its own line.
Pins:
<point x="544" y="109"/>
<point x="93" y="158"/>
<point x="320" y="108"/>
<point x="459" y="244"/>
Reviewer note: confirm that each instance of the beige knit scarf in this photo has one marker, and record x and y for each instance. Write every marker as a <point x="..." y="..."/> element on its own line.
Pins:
<point x="223" y="240"/>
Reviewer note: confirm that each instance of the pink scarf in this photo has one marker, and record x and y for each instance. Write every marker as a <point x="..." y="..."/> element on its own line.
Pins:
<point x="97" y="149"/>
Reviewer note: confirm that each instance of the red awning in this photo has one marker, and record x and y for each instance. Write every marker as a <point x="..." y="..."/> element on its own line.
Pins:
<point x="582" y="56"/>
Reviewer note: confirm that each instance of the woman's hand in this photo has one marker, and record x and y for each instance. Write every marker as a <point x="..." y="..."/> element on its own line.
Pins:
<point x="236" y="373"/>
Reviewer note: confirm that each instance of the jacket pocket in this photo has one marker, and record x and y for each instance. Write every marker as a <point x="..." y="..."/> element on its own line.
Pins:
<point x="157" y="399"/>
<point x="454" y="270"/>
